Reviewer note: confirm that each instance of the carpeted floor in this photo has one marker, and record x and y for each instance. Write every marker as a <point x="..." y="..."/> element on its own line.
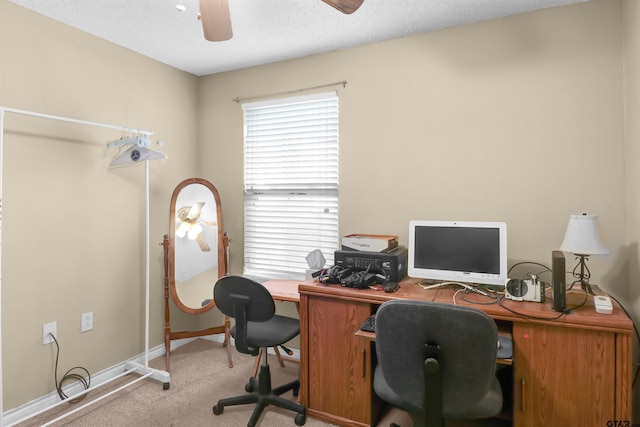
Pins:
<point x="199" y="377"/>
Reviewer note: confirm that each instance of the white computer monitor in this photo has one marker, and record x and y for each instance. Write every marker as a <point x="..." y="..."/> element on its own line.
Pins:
<point x="458" y="251"/>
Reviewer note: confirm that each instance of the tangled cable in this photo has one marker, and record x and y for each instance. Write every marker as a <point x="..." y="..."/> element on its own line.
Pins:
<point x="69" y="376"/>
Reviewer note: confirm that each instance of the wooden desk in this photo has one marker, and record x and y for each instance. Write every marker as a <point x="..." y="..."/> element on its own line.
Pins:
<point x="284" y="290"/>
<point x="572" y="371"/>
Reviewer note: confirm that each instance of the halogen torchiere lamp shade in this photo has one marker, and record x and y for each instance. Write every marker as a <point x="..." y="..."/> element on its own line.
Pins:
<point x="583" y="239"/>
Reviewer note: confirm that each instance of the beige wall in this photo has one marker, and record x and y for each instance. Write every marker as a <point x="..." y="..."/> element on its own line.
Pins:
<point x="519" y="119"/>
<point x="73" y="230"/>
<point x="631" y="71"/>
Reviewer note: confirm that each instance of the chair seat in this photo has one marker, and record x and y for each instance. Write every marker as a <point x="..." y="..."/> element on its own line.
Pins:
<point x="273" y="332"/>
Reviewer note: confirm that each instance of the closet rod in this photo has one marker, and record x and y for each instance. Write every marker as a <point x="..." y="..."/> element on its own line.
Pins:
<point x="82" y="122"/>
<point x="252" y="98"/>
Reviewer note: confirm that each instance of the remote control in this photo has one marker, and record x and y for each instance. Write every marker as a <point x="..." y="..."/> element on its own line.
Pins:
<point x="603" y="304"/>
<point x="391" y="287"/>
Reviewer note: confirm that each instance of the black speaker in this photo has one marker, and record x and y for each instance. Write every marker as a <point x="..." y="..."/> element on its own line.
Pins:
<point x="558" y="285"/>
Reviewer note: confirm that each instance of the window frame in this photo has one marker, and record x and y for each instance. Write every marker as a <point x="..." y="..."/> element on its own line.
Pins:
<point x="304" y="131"/>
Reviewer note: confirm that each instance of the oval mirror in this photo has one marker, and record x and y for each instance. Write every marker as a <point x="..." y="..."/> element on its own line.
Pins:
<point x="197" y="255"/>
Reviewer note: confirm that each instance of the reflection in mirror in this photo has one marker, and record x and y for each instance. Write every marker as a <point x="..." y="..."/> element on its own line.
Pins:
<point x="196" y="246"/>
<point x="195" y="257"/>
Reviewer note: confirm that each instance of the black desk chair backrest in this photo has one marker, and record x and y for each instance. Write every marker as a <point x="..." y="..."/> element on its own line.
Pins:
<point x="246" y="301"/>
<point x="437" y="361"/>
<point x="257" y="326"/>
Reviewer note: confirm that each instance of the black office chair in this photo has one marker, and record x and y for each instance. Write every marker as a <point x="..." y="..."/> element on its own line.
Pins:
<point x="437" y="361"/>
<point x="257" y="326"/>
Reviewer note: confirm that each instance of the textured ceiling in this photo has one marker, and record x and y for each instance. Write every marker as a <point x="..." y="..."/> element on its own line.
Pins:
<point x="266" y="30"/>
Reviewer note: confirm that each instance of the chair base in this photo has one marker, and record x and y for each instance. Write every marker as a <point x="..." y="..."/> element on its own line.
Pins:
<point x="262" y="395"/>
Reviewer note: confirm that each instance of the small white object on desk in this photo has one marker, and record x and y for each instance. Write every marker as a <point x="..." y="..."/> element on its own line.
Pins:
<point x="315" y="261"/>
<point x="603" y="304"/>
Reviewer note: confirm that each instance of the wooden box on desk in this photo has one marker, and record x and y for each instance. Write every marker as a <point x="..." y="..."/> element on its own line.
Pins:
<point x="568" y="370"/>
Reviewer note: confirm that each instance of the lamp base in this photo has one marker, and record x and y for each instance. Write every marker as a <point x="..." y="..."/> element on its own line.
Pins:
<point x="583" y="275"/>
<point x="587" y="288"/>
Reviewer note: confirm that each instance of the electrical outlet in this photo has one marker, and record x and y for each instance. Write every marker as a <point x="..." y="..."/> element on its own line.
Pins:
<point x="86" y="322"/>
<point x="49" y="329"/>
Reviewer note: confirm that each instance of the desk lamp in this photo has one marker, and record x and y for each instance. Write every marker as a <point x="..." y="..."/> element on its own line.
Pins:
<point x="583" y="239"/>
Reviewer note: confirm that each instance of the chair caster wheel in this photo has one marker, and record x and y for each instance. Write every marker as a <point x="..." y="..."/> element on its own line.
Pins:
<point x="295" y="391"/>
<point x="248" y="387"/>
<point x="217" y="410"/>
<point x="165" y="386"/>
<point x="300" y="419"/>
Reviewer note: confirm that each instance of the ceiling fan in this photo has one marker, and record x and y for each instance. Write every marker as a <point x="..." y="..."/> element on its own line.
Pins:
<point x="216" y="20"/>
<point x="187" y="224"/>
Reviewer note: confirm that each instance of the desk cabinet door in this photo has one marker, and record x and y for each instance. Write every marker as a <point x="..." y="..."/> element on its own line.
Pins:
<point x="339" y="371"/>
<point x="563" y="376"/>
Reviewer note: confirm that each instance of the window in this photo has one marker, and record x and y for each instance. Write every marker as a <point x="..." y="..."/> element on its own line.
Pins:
<point x="290" y="184"/>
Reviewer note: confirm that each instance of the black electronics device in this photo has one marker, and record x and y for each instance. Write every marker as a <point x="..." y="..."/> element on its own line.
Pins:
<point x="392" y="263"/>
<point x="558" y="284"/>
<point x="369" y="324"/>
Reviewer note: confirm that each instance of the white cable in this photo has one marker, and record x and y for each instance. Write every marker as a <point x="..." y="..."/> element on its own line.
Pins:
<point x="464" y="285"/>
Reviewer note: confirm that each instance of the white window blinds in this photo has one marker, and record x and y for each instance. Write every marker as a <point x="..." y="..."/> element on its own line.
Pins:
<point x="290" y="184"/>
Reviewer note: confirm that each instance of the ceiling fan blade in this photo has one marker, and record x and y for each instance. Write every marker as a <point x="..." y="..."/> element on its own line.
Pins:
<point x="345" y="6"/>
<point x="194" y="212"/>
<point x="216" y="20"/>
<point x="203" y="243"/>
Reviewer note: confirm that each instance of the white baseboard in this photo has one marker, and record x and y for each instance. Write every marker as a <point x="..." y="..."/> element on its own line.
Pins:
<point x="39" y="405"/>
<point x="43" y="403"/>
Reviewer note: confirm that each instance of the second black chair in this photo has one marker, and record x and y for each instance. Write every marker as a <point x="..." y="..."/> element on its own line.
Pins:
<point x="437" y="361"/>
<point x="257" y="326"/>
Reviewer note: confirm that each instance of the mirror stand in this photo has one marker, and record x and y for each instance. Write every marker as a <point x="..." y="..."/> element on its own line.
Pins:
<point x="170" y="335"/>
<point x="195" y="257"/>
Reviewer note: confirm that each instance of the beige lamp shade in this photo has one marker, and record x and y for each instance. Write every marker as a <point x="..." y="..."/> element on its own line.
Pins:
<point x="583" y="236"/>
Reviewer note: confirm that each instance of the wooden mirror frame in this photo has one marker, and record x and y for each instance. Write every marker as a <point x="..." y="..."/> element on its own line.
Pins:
<point x="169" y="276"/>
